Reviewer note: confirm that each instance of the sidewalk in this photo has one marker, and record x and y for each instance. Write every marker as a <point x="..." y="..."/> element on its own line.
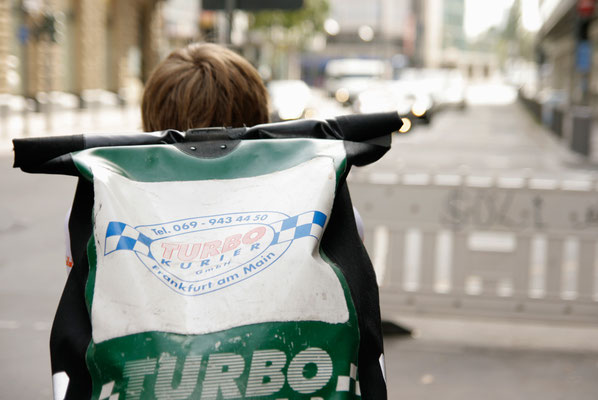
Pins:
<point x="107" y="119"/>
<point x="503" y="334"/>
<point x="452" y="358"/>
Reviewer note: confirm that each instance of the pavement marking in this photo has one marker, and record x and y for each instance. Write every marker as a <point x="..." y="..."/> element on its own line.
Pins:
<point x="40" y="326"/>
<point x="4" y="324"/>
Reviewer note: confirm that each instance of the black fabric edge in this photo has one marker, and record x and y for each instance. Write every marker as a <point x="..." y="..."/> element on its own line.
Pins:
<point x="45" y="154"/>
<point x="341" y="244"/>
<point x="31" y="153"/>
<point x="71" y="330"/>
<point x="361" y="154"/>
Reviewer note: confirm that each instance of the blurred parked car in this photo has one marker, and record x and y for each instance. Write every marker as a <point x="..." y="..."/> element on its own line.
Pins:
<point x="447" y="87"/>
<point x="288" y="99"/>
<point x="454" y="89"/>
<point x="413" y="105"/>
<point x="346" y="78"/>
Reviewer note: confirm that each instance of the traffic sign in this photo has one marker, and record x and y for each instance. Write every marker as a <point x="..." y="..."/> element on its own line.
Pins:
<point x="583" y="59"/>
<point x="253" y="5"/>
<point x="585" y="8"/>
<point x="23" y="34"/>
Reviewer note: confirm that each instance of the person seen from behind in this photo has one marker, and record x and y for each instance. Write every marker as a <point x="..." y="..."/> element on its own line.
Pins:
<point x="203" y="85"/>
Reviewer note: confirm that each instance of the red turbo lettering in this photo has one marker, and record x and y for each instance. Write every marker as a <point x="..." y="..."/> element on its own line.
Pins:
<point x="199" y="251"/>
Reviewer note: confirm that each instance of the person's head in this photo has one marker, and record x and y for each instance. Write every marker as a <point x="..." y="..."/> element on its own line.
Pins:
<point x="203" y="85"/>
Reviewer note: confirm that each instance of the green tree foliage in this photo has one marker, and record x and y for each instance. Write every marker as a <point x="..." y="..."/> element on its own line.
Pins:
<point x="509" y="41"/>
<point x="296" y="27"/>
<point x="512" y="28"/>
<point x="515" y="40"/>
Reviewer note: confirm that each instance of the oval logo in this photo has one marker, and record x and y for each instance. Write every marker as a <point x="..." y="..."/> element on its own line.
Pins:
<point x="199" y="255"/>
<point x="212" y="252"/>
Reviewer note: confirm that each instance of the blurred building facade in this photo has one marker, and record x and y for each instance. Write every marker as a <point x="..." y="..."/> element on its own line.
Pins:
<point x="442" y="42"/>
<point x="359" y="29"/>
<point x="565" y="43"/>
<point x="444" y="36"/>
<point x="417" y="33"/>
<point x="429" y="33"/>
<point x="369" y="29"/>
<point x="77" y="46"/>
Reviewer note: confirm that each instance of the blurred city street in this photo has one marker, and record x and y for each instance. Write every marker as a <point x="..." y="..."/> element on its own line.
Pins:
<point x="481" y="221"/>
<point x="449" y="358"/>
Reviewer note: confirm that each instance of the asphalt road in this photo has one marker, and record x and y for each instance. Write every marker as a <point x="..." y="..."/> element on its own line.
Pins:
<point x="32" y="211"/>
<point x="482" y="139"/>
<point x="426" y="370"/>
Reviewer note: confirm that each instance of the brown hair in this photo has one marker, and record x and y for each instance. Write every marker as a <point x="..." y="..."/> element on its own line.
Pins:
<point x="203" y="85"/>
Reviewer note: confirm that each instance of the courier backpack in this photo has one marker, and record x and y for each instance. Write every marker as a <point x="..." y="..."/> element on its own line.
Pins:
<point x="217" y="263"/>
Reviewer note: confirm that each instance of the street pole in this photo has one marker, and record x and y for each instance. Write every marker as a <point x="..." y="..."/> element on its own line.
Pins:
<point x="583" y="62"/>
<point x="24" y="33"/>
<point x="582" y="112"/>
<point x="48" y="84"/>
<point x="6" y="28"/>
<point x="48" y="36"/>
<point x="230" y="14"/>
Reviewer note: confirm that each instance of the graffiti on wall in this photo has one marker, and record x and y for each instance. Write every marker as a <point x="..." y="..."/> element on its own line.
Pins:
<point x="491" y="208"/>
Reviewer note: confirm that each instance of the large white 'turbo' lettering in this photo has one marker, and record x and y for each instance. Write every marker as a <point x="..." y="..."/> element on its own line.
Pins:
<point x="266" y="375"/>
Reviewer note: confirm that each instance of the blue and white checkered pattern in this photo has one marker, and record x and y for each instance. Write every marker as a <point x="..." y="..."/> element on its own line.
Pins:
<point x="120" y="236"/>
<point x="306" y="224"/>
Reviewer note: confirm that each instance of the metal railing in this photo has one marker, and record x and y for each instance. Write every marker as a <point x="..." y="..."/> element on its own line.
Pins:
<point x="480" y="245"/>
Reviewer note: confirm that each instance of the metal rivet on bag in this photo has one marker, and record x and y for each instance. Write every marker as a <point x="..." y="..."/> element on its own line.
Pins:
<point x="223" y="146"/>
<point x="193" y="148"/>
